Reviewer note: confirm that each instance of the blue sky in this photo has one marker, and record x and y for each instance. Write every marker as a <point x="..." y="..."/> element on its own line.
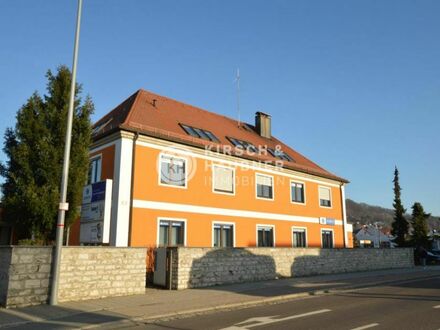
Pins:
<point x="353" y="85"/>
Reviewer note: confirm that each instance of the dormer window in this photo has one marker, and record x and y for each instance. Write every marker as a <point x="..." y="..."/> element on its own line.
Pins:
<point x="277" y="153"/>
<point x="98" y="128"/>
<point x="199" y="133"/>
<point x="243" y="144"/>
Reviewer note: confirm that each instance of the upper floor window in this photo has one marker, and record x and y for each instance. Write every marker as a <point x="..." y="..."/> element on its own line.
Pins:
<point x="172" y="171"/>
<point x="223" y="179"/>
<point x="94" y="174"/>
<point x="243" y="144"/>
<point x="265" y="236"/>
<point x="199" y="133"/>
<point x="223" y="235"/>
<point x="325" y="197"/>
<point x="264" y="185"/>
<point x="297" y="192"/>
<point x="171" y="233"/>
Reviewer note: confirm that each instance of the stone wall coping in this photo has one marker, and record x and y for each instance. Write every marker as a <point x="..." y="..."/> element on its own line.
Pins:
<point x="286" y="248"/>
<point x="105" y="247"/>
<point x="69" y="247"/>
<point x="26" y="246"/>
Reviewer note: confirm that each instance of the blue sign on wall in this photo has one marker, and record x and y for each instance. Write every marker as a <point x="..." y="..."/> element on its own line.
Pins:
<point x="98" y="191"/>
<point x="330" y="221"/>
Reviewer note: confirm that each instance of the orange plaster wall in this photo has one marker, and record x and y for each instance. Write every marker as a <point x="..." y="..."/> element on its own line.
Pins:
<point x="199" y="192"/>
<point x="108" y="161"/>
<point x="199" y="229"/>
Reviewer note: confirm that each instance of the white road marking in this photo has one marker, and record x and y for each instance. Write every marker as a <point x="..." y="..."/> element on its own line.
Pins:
<point x="263" y="320"/>
<point x="438" y="306"/>
<point x="367" y="326"/>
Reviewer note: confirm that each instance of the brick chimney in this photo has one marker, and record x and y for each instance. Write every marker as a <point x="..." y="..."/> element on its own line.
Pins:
<point x="263" y="124"/>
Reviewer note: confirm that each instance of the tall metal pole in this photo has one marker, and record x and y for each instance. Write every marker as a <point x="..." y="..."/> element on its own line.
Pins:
<point x="63" y="206"/>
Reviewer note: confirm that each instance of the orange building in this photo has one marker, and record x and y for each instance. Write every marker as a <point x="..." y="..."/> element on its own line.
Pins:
<point x="186" y="176"/>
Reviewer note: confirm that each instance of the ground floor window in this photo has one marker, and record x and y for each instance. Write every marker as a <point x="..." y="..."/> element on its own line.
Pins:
<point x="299" y="237"/>
<point x="327" y="239"/>
<point x="265" y="236"/>
<point x="171" y="232"/>
<point x="223" y="235"/>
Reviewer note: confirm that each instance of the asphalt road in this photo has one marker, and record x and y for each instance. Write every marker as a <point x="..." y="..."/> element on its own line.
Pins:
<point x="403" y="305"/>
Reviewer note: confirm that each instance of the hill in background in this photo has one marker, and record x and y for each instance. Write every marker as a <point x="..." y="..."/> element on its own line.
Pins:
<point x="362" y="214"/>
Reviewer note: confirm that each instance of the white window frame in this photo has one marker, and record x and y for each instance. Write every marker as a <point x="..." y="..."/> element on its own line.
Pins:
<point x="256" y="234"/>
<point x="331" y="197"/>
<point x="333" y="237"/>
<point x="159" y="219"/>
<point x="234" y="186"/>
<point x="292" y="229"/>
<point x="223" y="223"/>
<point x="304" y="190"/>
<point x="273" y="187"/>
<point x="93" y="158"/>
<point x="159" y="170"/>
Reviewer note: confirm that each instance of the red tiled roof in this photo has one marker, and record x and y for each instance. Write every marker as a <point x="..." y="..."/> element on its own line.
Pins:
<point x="159" y="116"/>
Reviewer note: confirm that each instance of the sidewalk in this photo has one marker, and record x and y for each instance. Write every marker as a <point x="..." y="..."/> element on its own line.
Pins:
<point x="156" y="304"/>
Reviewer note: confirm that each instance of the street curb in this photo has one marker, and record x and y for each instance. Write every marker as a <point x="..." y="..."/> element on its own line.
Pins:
<point x="248" y="304"/>
<point x="225" y="307"/>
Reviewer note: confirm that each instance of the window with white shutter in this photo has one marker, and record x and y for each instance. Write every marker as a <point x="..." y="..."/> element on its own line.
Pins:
<point x="264" y="185"/>
<point x="223" y="179"/>
<point x="325" y="197"/>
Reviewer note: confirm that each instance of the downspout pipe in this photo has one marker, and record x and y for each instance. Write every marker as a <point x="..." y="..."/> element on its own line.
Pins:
<point x="344" y="214"/>
<point x="133" y="155"/>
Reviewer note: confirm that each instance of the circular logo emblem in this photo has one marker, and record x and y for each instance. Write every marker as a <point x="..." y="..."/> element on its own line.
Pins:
<point x="175" y="167"/>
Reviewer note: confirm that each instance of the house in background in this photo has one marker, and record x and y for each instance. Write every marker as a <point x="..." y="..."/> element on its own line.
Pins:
<point x="185" y="176"/>
<point x="434" y="237"/>
<point x="371" y="236"/>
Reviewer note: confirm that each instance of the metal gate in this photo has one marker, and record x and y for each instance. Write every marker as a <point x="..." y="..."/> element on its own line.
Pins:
<point x="162" y="267"/>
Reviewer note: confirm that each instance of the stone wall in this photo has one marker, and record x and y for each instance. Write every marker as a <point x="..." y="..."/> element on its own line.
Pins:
<point x="25" y="274"/>
<point x="5" y="261"/>
<point x="85" y="273"/>
<point x="98" y="272"/>
<point x="200" y="267"/>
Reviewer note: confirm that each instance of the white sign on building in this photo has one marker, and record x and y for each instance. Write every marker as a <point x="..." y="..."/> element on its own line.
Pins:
<point x="95" y="213"/>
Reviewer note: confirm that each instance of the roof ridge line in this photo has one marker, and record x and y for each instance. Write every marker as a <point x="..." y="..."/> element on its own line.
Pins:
<point x="193" y="106"/>
<point x="130" y="112"/>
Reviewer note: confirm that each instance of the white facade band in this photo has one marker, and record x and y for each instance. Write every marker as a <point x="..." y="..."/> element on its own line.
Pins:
<point x="222" y="211"/>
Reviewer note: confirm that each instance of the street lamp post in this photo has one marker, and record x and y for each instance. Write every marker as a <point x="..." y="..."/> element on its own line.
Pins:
<point x="64" y="206"/>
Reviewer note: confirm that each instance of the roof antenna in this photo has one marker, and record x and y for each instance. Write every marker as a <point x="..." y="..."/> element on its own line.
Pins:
<point x="237" y="79"/>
